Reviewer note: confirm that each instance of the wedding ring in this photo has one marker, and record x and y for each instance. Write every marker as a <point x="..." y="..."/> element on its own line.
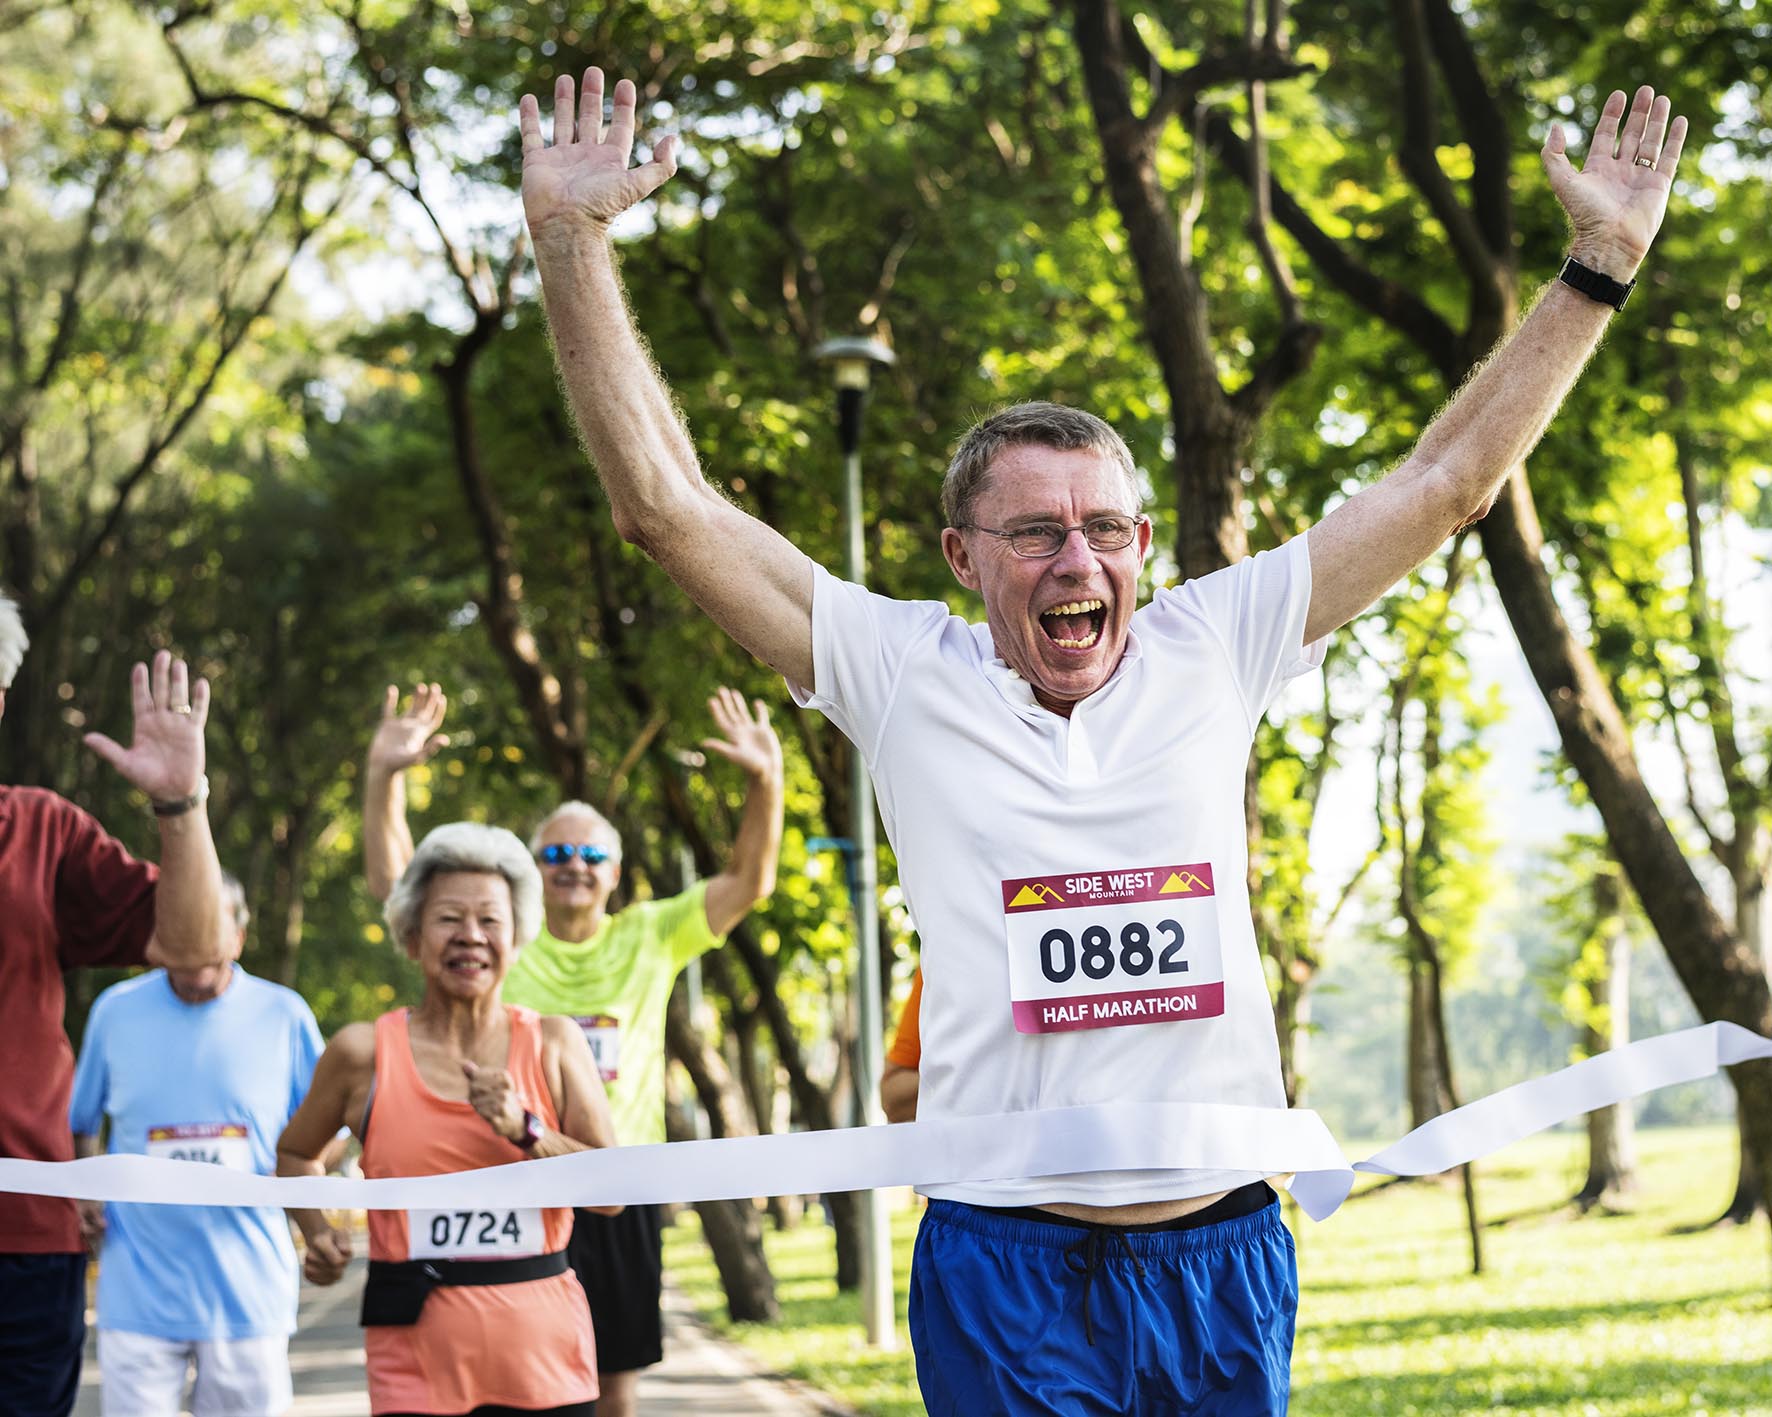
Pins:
<point x="1642" y="161"/>
<point x="181" y="708"/>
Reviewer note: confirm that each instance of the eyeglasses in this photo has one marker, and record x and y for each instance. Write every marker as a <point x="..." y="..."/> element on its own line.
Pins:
<point x="1042" y="540"/>
<point x="559" y="853"/>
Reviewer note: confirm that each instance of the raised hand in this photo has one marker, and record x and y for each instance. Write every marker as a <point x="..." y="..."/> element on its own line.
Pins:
<point x="403" y="740"/>
<point x="1618" y="197"/>
<point x="584" y="177"/>
<point x="165" y="757"/>
<point x="749" y="741"/>
<point x="493" y="1094"/>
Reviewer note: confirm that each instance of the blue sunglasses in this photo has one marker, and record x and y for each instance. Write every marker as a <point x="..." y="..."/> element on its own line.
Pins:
<point x="558" y="854"/>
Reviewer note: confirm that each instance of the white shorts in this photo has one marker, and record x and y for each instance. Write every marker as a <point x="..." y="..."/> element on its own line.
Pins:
<point x="142" y="1376"/>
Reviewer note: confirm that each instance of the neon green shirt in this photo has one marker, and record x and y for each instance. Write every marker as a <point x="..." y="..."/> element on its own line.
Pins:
<point x="616" y="987"/>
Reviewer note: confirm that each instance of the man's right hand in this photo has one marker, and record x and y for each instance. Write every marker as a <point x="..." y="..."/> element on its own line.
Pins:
<point x="403" y="740"/>
<point x="92" y="1225"/>
<point x="582" y="177"/>
<point x="329" y="1251"/>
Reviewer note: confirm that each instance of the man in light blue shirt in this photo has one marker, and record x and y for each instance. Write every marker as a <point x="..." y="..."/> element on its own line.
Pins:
<point x="205" y="1065"/>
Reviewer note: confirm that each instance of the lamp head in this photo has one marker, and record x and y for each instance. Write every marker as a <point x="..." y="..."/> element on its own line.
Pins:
<point x="852" y="360"/>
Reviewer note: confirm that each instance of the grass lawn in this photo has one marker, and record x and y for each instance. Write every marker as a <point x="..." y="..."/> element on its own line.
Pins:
<point x="1608" y="1316"/>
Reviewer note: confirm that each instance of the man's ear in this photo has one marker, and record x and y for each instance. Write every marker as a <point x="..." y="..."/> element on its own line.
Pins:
<point x="960" y="562"/>
<point x="2" y="703"/>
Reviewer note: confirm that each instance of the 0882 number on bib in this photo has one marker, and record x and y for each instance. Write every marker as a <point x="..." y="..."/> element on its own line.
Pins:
<point x="1104" y="949"/>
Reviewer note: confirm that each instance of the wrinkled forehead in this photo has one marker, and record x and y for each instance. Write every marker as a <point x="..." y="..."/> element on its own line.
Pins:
<point x="1028" y="481"/>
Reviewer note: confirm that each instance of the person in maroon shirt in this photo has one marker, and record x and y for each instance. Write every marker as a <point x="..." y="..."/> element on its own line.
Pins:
<point x="71" y="897"/>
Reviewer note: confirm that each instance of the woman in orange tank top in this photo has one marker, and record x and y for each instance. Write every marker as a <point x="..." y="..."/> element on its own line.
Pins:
<point x="465" y="1312"/>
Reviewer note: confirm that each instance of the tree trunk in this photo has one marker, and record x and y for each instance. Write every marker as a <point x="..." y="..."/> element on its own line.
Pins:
<point x="736" y="1241"/>
<point x="1611" y="1131"/>
<point x="1753" y="923"/>
<point x="731" y="1227"/>
<point x="1437" y="1009"/>
<point x="1428" y="1093"/>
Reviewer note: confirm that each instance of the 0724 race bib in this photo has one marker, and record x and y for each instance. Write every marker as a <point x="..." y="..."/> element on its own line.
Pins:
<point x="219" y="1143"/>
<point x="473" y="1234"/>
<point x="1105" y="949"/>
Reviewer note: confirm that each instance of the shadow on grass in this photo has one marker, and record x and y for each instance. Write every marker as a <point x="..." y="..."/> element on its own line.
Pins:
<point x="1570" y="1316"/>
<point x="1649" y="1388"/>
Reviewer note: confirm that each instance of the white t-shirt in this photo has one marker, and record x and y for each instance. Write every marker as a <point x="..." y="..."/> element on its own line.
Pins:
<point x="1079" y="884"/>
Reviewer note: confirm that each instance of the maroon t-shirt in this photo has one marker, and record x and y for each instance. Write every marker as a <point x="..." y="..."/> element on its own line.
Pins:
<point x="70" y="896"/>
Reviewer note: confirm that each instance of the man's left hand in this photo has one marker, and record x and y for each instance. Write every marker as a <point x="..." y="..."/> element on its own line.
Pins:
<point x="165" y="759"/>
<point x="1616" y="200"/>
<point x="749" y="740"/>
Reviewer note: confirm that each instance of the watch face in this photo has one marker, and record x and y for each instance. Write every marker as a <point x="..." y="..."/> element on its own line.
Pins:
<point x="532" y="1129"/>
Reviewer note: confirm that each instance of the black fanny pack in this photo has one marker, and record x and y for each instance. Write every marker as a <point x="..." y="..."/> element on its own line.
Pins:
<point x="396" y="1290"/>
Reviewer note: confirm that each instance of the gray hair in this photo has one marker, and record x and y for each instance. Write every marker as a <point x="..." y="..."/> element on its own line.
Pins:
<point x="13" y="641"/>
<point x="577" y="809"/>
<point x="234" y="896"/>
<point x="467" y="846"/>
<point x="1039" y="425"/>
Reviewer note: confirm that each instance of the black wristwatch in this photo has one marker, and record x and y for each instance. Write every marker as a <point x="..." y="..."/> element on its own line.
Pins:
<point x="1594" y="285"/>
<point x="532" y="1131"/>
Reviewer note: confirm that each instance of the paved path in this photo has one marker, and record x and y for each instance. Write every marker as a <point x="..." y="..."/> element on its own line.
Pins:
<point x="701" y="1375"/>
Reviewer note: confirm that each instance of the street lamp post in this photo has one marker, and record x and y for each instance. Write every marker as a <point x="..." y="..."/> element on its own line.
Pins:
<point x="852" y="362"/>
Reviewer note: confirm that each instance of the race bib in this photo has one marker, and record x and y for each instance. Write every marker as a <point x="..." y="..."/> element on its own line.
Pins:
<point x="473" y="1234"/>
<point x="603" y="1033"/>
<point x="1104" y="949"/>
<point x="219" y="1143"/>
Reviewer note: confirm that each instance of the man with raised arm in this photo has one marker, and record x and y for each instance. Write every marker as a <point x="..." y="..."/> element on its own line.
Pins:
<point x="611" y="973"/>
<point x="195" y="1065"/>
<point x="71" y="897"/>
<point x="1063" y="785"/>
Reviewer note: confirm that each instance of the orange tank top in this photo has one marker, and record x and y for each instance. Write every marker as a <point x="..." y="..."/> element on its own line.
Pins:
<point x="519" y="1345"/>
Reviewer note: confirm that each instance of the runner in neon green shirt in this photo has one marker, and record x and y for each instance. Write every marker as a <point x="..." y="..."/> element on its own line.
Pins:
<point x="617" y="984"/>
<point x="613" y="973"/>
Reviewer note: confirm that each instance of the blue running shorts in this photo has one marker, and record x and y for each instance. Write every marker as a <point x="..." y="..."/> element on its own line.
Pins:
<point x="1012" y="1316"/>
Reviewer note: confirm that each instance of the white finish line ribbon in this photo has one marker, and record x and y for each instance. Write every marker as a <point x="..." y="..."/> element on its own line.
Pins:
<point x="1123" y="1136"/>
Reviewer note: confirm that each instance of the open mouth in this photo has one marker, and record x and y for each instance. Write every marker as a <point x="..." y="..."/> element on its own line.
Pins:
<point x="467" y="965"/>
<point x="1075" y="625"/>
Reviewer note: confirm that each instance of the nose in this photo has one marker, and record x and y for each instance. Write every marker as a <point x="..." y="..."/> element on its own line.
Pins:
<point x="1075" y="559"/>
<point x="473" y="932"/>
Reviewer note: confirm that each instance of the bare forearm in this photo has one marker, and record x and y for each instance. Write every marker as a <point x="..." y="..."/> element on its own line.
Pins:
<point x="757" y="846"/>
<point x="312" y="1223"/>
<point x="1501" y="412"/>
<point x="188" y="899"/>
<point x="750" y="876"/>
<point x="87" y="1146"/>
<point x="387" y="838"/>
<point x="630" y="425"/>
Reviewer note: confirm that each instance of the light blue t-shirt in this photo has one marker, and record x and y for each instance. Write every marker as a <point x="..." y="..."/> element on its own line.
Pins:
<point x="210" y="1082"/>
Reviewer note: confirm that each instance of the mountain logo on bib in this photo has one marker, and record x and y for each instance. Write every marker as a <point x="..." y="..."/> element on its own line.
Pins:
<point x="1179" y="885"/>
<point x="1183" y="883"/>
